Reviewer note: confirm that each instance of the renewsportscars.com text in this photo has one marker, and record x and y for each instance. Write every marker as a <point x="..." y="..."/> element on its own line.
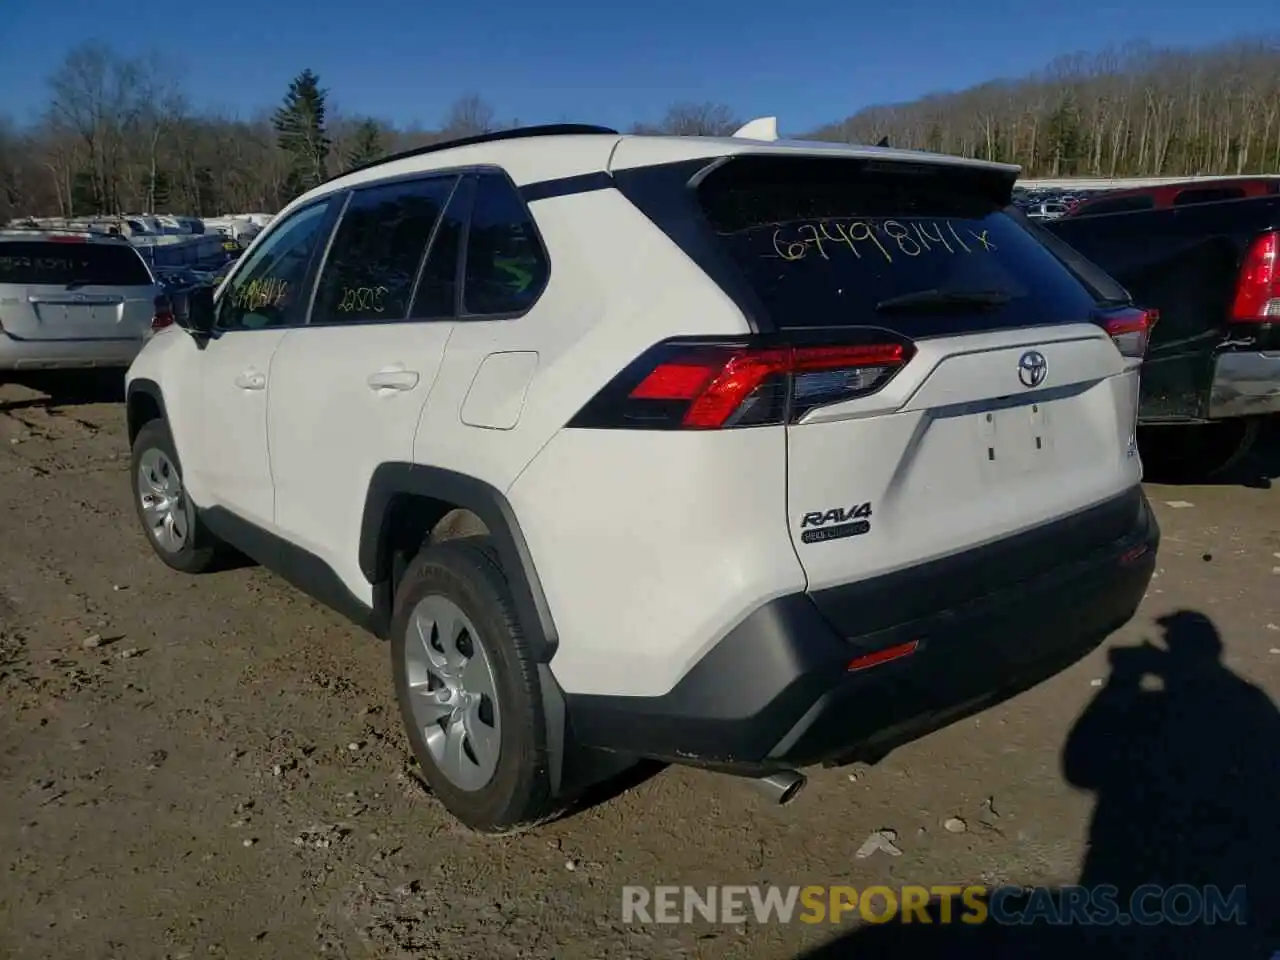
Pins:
<point x="1102" y="905"/>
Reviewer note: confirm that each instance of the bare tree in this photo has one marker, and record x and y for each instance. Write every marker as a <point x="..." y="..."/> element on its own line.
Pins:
<point x="100" y="98"/>
<point x="689" y="119"/>
<point x="468" y="116"/>
<point x="117" y="134"/>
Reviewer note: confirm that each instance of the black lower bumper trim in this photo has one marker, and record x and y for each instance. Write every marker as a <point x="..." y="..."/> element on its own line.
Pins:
<point x="776" y="692"/>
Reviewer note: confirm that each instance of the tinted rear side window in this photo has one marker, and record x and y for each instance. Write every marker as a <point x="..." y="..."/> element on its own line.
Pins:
<point x="376" y="252"/>
<point x="61" y="264"/>
<point x="437" y="296"/>
<point x="506" y="266"/>
<point x="1207" y="195"/>
<point x="1119" y="205"/>
<point x="824" y="242"/>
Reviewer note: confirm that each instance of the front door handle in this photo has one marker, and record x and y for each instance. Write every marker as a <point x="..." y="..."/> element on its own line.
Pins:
<point x="393" y="380"/>
<point x="251" y="380"/>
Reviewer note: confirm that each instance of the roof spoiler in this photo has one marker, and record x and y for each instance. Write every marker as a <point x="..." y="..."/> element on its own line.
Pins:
<point x="766" y="128"/>
<point x="761" y="128"/>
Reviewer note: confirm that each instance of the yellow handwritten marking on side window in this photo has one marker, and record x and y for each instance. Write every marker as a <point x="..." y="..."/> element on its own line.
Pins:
<point x="362" y="300"/>
<point x="264" y="292"/>
<point x="820" y="238"/>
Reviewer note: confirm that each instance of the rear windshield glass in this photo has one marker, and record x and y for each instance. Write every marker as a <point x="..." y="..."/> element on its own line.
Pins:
<point x="829" y="242"/>
<point x="62" y="264"/>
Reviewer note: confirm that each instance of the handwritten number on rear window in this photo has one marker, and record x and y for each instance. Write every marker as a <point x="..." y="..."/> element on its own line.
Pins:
<point x="825" y="237"/>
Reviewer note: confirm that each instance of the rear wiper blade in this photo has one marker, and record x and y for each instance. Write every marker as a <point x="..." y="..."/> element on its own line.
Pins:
<point x="930" y="299"/>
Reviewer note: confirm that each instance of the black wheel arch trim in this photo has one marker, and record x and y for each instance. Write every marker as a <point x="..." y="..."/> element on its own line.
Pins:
<point x="394" y="479"/>
<point x="147" y="388"/>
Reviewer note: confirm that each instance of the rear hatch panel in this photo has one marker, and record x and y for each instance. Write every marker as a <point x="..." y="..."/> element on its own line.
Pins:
<point x="1014" y="412"/>
<point x="54" y="290"/>
<point x="959" y="453"/>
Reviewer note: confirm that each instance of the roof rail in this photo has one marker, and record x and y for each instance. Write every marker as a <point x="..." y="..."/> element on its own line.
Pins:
<point x="516" y="133"/>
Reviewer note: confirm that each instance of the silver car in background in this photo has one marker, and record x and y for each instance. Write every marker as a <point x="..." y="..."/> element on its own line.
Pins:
<point x="74" y="300"/>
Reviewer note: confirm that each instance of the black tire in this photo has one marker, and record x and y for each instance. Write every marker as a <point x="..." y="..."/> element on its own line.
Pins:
<point x="1196" y="453"/>
<point x="200" y="550"/>
<point x="518" y="794"/>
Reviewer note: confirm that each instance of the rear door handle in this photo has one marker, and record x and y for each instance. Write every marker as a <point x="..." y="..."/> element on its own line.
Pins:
<point x="393" y="380"/>
<point x="251" y="380"/>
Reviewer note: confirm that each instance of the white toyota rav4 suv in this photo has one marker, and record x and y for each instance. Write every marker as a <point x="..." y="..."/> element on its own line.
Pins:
<point x="744" y="454"/>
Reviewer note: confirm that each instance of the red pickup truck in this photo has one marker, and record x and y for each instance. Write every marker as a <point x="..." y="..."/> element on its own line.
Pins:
<point x="1171" y="195"/>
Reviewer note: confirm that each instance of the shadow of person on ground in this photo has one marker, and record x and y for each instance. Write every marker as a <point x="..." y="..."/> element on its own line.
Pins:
<point x="1184" y="758"/>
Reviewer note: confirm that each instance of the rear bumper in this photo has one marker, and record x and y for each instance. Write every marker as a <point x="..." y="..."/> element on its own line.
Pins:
<point x="1245" y="384"/>
<point x="19" y="354"/>
<point x="777" y="691"/>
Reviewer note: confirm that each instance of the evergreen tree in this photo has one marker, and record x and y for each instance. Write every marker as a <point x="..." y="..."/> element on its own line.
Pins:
<point x="1064" y="138"/>
<point x="300" y="131"/>
<point x="933" y="140"/>
<point x="366" y="145"/>
<point x="84" y="196"/>
<point x="159" y="191"/>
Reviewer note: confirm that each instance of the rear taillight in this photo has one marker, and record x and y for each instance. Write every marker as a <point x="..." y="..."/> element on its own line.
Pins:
<point x="1257" y="297"/>
<point x="711" y="386"/>
<point x="1130" y="329"/>
<point x="163" y="315"/>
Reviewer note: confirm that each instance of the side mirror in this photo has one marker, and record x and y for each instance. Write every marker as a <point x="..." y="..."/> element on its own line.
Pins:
<point x="200" y="311"/>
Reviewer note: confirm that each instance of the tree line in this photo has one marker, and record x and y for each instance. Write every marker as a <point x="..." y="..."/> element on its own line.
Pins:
<point x="1134" y="111"/>
<point x="119" y="135"/>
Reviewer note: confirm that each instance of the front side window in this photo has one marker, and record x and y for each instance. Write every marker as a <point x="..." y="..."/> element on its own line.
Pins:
<point x="268" y="290"/>
<point x="506" y="265"/>
<point x="373" y="263"/>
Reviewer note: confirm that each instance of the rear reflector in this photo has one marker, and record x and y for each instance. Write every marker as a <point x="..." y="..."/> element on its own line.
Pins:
<point x="710" y="386"/>
<point x="163" y="315"/>
<point x="1133" y="555"/>
<point x="1257" y="298"/>
<point x="1130" y="329"/>
<point x="883" y="656"/>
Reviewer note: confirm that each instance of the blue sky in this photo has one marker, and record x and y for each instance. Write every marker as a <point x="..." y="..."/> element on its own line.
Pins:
<point x="607" y="62"/>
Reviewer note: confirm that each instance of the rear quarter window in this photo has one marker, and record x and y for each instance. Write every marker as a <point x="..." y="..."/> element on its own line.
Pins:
<point x="824" y="242"/>
<point x="506" y="266"/>
<point x="44" y="262"/>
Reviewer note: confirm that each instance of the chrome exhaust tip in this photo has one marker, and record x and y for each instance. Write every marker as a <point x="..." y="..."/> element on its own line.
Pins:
<point x="782" y="787"/>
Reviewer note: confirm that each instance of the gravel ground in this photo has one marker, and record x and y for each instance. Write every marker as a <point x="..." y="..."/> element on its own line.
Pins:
<point x="213" y="766"/>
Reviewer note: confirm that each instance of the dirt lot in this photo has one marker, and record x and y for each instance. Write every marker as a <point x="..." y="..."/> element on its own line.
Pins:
<point x="221" y="771"/>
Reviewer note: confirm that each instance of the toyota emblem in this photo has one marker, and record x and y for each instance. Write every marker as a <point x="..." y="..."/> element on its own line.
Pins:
<point x="1032" y="368"/>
